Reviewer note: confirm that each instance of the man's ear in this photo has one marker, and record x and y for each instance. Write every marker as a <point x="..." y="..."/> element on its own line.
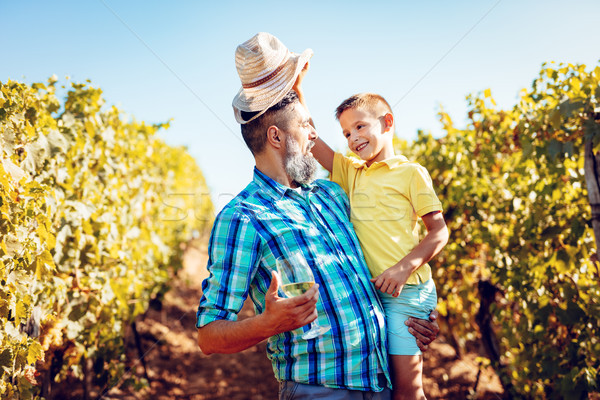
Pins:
<point x="274" y="136"/>
<point x="388" y="120"/>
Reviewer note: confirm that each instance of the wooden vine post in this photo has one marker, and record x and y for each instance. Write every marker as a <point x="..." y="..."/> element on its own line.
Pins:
<point x="592" y="180"/>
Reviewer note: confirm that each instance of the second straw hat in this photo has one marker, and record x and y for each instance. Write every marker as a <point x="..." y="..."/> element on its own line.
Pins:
<point x="267" y="70"/>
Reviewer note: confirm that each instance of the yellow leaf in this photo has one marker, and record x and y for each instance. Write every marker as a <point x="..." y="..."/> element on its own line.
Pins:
<point x="555" y="119"/>
<point x="42" y="233"/>
<point x="3" y="247"/>
<point x="89" y="127"/>
<point x="34" y="352"/>
<point x="487" y="93"/>
<point x="43" y="264"/>
<point x="50" y="241"/>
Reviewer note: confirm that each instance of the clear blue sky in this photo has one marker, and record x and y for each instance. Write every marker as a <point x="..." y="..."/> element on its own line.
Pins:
<point x="162" y="60"/>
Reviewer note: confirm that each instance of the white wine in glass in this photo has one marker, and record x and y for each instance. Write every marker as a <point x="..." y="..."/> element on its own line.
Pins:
<point x="296" y="289"/>
<point x="297" y="278"/>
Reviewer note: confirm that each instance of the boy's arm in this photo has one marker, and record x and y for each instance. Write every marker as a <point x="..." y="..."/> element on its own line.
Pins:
<point x="321" y="151"/>
<point x="324" y="154"/>
<point x="392" y="280"/>
<point x="298" y="88"/>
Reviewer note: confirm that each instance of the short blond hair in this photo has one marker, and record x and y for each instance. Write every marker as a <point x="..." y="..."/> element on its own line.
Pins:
<point x="370" y="102"/>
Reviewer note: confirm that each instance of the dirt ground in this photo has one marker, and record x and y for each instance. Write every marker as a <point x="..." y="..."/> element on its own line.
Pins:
<point x="177" y="369"/>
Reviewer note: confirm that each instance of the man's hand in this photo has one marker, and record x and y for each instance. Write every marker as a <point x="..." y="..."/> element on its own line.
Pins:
<point x="285" y="314"/>
<point x="280" y="315"/>
<point x="393" y="279"/>
<point x="423" y="330"/>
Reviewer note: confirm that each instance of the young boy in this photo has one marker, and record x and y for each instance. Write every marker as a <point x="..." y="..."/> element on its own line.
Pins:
<point x="387" y="194"/>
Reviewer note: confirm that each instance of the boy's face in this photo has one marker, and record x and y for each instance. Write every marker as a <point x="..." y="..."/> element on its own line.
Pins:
<point x="366" y="135"/>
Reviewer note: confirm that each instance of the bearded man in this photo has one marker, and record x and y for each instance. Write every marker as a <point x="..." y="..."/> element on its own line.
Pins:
<point x="281" y="212"/>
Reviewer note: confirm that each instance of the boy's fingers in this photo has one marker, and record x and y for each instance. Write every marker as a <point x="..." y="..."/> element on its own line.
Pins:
<point x="383" y="286"/>
<point x="387" y="287"/>
<point x="378" y="282"/>
<point x="398" y="290"/>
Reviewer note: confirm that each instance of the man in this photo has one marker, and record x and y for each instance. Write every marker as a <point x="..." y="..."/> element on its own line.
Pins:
<point x="283" y="210"/>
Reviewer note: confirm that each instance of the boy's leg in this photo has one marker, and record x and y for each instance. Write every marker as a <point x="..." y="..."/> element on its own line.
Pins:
<point x="405" y="356"/>
<point x="407" y="377"/>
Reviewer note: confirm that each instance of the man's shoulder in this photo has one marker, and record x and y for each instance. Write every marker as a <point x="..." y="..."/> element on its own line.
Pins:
<point x="236" y="206"/>
<point x="250" y="203"/>
<point x="329" y="186"/>
<point x="332" y="191"/>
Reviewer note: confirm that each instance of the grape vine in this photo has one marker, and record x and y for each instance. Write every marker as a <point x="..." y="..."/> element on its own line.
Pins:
<point x="93" y="209"/>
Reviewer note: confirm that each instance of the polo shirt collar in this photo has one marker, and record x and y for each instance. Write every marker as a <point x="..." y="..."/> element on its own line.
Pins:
<point x="391" y="162"/>
<point x="276" y="189"/>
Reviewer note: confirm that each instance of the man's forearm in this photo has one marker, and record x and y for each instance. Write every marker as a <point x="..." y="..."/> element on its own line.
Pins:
<point x="280" y="315"/>
<point x="224" y="336"/>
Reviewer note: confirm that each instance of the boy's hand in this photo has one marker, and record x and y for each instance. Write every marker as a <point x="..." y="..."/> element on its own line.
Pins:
<point x="298" y="87"/>
<point x="392" y="280"/>
<point x="298" y="84"/>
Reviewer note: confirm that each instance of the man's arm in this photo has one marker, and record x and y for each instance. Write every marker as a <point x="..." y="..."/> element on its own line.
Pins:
<point x="280" y="315"/>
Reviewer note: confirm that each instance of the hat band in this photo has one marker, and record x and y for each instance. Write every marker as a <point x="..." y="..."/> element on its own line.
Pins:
<point x="266" y="78"/>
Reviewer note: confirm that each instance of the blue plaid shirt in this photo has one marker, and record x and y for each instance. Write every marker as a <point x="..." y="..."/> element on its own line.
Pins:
<point x="268" y="220"/>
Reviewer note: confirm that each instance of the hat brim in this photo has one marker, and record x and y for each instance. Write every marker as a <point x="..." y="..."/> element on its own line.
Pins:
<point x="261" y="98"/>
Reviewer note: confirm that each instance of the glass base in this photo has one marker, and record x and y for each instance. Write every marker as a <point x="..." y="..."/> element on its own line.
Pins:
<point x="315" y="331"/>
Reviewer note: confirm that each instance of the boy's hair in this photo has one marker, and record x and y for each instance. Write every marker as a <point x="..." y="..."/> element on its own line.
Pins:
<point x="254" y="132"/>
<point x="371" y="102"/>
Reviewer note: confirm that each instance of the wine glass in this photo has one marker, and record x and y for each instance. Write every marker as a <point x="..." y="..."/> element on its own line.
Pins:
<point x="297" y="278"/>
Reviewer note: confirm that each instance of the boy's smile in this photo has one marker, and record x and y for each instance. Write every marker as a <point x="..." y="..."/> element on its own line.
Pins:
<point x="361" y="146"/>
<point x="367" y="135"/>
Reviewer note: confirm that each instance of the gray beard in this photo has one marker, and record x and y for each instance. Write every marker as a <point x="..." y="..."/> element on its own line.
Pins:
<point x="299" y="167"/>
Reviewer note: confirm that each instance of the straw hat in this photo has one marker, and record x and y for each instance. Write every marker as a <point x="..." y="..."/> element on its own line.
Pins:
<point x="267" y="70"/>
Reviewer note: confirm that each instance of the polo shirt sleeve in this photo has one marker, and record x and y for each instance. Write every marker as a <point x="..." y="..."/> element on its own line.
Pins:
<point x="341" y="170"/>
<point x="234" y="255"/>
<point x="421" y="192"/>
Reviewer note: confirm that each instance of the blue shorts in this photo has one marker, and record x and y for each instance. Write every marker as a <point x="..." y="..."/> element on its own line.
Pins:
<point x="415" y="301"/>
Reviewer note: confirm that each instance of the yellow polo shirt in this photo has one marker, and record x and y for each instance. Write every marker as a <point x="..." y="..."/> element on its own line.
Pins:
<point x="386" y="199"/>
